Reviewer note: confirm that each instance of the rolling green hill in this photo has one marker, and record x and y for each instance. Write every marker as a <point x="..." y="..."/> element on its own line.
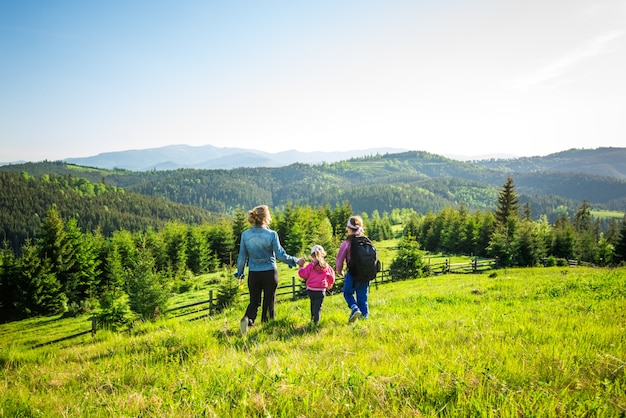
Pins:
<point x="25" y="200"/>
<point x="608" y="161"/>
<point x="418" y="180"/>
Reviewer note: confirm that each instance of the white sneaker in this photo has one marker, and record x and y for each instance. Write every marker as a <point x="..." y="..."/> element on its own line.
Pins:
<point x="356" y="313"/>
<point x="243" y="325"/>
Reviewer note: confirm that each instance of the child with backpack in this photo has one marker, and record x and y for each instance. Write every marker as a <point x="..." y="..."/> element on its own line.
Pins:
<point x="361" y="260"/>
<point x="319" y="276"/>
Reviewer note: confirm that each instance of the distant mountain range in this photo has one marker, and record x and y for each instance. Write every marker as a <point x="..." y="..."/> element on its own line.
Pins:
<point x="173" y="157"/>
<point x="210" y="157"/>
<point x="603" y="161"/>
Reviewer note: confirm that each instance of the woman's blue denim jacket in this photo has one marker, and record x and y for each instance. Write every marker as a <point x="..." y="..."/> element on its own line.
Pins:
<point x="260" y="248"/>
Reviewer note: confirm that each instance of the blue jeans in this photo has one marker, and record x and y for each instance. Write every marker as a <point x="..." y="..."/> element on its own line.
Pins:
<point x="350" y="288"/>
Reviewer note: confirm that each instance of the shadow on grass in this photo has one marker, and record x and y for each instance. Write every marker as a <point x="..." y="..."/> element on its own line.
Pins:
<point x="280" y="329"/>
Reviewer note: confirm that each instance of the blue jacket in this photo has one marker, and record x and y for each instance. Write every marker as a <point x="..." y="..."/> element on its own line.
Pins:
<point x="260" y="248"/>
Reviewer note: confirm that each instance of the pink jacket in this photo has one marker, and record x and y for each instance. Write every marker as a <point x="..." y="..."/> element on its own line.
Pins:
<point x="317" y="278"/>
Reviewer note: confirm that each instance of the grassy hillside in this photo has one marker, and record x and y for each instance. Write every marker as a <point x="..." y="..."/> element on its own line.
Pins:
<point x="603" y="161"/>
<point x="417" y="180"/>
<point x="25" y="201"/>
<point x="546" y="342"/>
<point x="421" y="181"/>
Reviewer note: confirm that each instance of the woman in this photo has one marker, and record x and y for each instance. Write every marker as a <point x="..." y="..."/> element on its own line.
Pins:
<point x="259" y="249"/>
<point x="359" y="306"/>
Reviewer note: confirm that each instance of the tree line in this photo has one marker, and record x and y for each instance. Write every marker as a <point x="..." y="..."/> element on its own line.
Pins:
<point x="383" y="182"/>
<point x="25" y="199"/>
<point x="132" y="273"/>
<point x="510" y="234"/>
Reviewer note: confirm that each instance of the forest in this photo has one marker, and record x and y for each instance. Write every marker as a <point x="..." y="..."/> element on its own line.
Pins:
<point x="130" y="273"/>
<point x="110" y="199"/>
<point x="77" y="239"/>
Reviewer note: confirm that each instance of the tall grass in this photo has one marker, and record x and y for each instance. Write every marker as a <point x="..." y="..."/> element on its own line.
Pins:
<point x="546" y="342"/>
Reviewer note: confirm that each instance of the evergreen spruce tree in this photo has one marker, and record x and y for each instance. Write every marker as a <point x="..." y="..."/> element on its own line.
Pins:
<point x="221" y="242"/>
<point x="612" y="232"/>
<point x="486" y="228"/>
<point x="148" y="289"/>
<point x="199" y="254"/>
<point x="52" y="243"/>
<point x="502" y="244"/>
<point x="508" y="204"/>
<point x="81" y="271"/>
<point x="409" y="260"/>
<point x="563" y="238"/>
<point x="619" y="253"/>
<point x="323" y="235"/>
<point x="175" y="240"/>
<point x="587" y="233"/>
<point x="8" y="285"/>
<point x="339" y="217"/>
<point x="39" y="292"/>
<point x="240" y="224"/>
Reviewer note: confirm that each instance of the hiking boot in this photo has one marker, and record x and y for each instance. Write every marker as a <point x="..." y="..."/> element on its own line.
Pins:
<point x="244" y="325"/>
<point x="356" y="313"/>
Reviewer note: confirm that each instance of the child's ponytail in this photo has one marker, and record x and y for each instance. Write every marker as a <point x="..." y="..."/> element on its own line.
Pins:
<point x="318" y="254"/>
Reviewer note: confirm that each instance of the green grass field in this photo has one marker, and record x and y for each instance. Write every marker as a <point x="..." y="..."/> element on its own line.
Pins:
<point x="540" y="342"/>
<point x="600" y="214"/>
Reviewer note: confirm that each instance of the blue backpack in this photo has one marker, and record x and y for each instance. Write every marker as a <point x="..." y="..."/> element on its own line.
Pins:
<point x="364" y="263"/>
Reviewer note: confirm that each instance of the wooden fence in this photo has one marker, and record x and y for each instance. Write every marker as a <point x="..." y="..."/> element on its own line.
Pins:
<point x="474" y="266"/>
<point x="296" y="290"/>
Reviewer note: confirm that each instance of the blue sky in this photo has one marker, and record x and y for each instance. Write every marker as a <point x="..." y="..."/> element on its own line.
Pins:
<point x="452" y="77"/>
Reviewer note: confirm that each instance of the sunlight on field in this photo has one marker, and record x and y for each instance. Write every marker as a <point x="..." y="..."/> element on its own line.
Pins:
<point x="523" y="342"/>
<point x="607" y="214"/>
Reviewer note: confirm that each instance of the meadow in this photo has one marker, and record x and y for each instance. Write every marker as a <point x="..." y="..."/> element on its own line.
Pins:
<point x="540" y="342"/>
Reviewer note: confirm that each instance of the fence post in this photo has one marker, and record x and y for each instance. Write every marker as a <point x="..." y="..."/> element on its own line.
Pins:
<point x="293" y="288"/>
<point x="211" y="302"/>
<point x="447" y="265"/>
<point x="93" y="326"/>
<point x="474" y="264"/>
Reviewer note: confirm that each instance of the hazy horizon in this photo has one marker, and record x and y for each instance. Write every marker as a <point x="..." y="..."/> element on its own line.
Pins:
<point x="461" y="157"/>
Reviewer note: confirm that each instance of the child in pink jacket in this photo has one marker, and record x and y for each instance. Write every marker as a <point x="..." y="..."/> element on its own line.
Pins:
<point x="319" y="276"/>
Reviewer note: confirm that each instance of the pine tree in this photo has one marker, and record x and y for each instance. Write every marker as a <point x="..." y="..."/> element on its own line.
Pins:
<point x="619" y="253"/>
<point x="221" y="242"/>
<point x="175" y="240"/>
<point x="147" y="289"/>
<point x="240" y="224"/>
<point x="8" y="285"/>
<point x="563" y="238"/>
<point x="503" y="241"/>
<point x="323" y="235"/>
<point x="39" y="292"/>
<point x="52" y="242"/>
<point x="587" y="233"/>
<point x="508" y="203"/>
<point x="409" y="261"/>
<point x="339" y="217"/>
<point x="199" y="254"/>
<point x="81" y="271"/>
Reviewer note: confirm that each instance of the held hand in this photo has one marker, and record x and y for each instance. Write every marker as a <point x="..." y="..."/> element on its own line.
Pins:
<point x="300" y="262"/>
